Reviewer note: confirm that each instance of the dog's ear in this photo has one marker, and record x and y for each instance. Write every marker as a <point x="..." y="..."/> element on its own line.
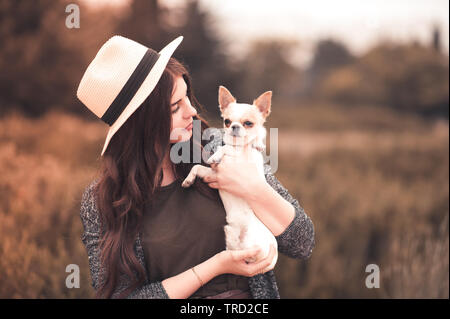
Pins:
<point x="225" y="98"/>
<point x="263" y="103"/>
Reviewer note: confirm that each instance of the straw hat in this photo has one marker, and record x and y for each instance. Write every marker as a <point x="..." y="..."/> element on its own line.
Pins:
<point x="121" y="76"/>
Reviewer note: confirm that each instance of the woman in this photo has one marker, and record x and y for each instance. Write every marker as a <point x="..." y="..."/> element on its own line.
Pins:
<point x="145" y="235"/>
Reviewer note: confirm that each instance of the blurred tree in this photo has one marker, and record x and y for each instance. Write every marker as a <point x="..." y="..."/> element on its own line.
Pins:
<point x="149" y="23"/>
<point x="143" y="22"/>
<point x="329" y="55"/>
<point x="266" y="67"/>
<point x="29" y="80"/>
<point x="202" y="51"/>
<point x="436" y="43"/>
<point x="407" y="77"/>
<point x="41" y="60"/>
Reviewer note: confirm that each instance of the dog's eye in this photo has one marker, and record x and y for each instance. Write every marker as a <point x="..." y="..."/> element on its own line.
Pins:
<point x="248" y="123"/>
<point x="227" y="122"/>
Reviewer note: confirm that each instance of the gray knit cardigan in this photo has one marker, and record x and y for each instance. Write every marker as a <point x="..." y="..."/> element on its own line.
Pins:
<point x="296" y="241"/>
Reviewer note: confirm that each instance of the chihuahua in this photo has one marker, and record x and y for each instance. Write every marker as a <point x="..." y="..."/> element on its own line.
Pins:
<point x="244" y="136"/>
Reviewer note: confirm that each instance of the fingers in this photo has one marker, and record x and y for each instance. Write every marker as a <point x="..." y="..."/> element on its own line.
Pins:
<point x="263" y="265"/>
<point x="247" y="253"/>
<point x="210" y="178"/>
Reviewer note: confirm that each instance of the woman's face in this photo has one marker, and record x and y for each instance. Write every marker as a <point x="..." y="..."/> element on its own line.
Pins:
<point x="182" y="113"/>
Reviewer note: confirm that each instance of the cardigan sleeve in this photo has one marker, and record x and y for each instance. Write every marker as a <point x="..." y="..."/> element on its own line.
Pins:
<point x="91" y="238"/>
<point x="297" y="240"/>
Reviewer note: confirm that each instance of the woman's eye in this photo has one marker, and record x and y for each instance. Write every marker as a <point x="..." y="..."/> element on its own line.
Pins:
<point x="183" y="100"/>
<point x="174" y="111"/>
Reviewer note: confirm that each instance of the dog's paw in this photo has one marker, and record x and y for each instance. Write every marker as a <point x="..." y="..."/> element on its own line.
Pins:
<point x="213" y="160"/>
<point x="260" y="147"/>
<point x="188" y="182"/>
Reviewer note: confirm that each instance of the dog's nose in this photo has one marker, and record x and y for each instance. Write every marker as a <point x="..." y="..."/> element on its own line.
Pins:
<point x="235" y="130"/>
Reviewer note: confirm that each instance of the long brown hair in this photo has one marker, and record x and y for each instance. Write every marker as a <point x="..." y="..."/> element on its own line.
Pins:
<point x="131" y="170"/>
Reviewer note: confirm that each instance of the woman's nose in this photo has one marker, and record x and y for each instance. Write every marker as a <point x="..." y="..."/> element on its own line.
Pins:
<point x="194" y="111"/>
<point x="191" y="110"/>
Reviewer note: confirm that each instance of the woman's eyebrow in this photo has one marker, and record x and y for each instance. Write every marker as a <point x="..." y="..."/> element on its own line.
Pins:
<point x="178" y="100"/>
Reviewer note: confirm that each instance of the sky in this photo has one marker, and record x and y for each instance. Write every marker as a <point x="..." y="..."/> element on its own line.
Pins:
<point x="359" y="24"/>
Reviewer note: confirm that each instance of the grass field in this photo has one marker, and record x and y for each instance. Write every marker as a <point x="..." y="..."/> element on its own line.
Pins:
<point x="374" y="182"/>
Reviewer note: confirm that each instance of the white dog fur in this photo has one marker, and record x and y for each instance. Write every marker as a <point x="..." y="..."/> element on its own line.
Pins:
<point x="243" y="230"/>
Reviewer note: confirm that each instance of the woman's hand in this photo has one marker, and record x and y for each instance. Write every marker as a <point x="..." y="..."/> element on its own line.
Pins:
<point x="240" y="179"/>
<point x="233" y="262"/>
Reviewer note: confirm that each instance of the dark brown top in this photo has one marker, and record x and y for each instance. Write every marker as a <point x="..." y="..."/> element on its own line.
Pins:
<point x="183" y="229"/>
